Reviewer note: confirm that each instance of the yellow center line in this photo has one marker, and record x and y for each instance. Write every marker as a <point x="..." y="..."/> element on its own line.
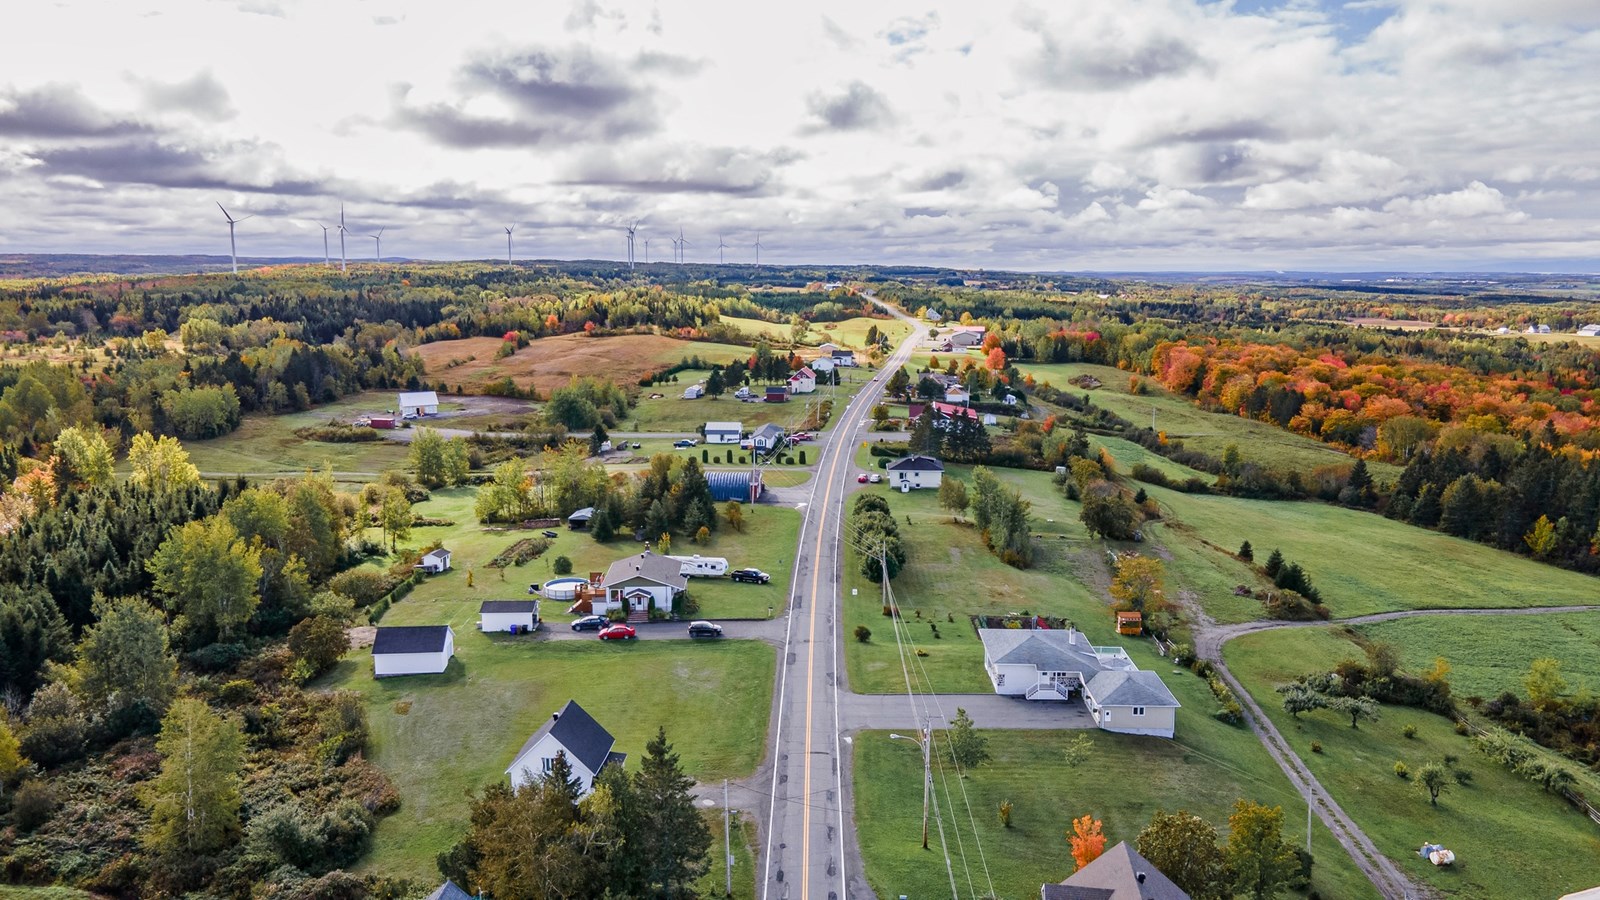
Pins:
<point x="811" y="653"/>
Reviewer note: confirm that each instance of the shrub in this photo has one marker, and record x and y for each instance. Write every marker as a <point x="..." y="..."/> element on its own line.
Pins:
<point x="1401" y="771"/>
<point x="1410" y="731"/>
<point x="1005" y="813"/>
<point x="863" y="633"/>
<point x="1316" y="746"/>
<point x="364" y="586"/>
<point x="237" y="691"/>
<point x="1461" y="727"/>
<point x="562" y="566"/>
<point x="33" y="805"/>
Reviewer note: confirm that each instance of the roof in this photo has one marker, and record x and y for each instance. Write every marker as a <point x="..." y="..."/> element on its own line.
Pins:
<point x="440" y="553"/>
<point x="1114" y="875"/>
<point x="410" y="639"/>
<point x="777" y="389"/>
<point x="841" y="353"/>
<point x="584" y="739"/>
<point x="1133" y="688"/>
<point x="508" y="606"/>
<point x="1049" y="650"/>
<point x="419" y="398"/>
<point x="660" y="569"/>
<point x="448" y="891"/>
<point x="580" y="514"/>
<point x="771" y="429"/>
<point x="723" y="427"/>
<point x="948" y="410"/>
<point x="803" y="372"/>
<point x="916" y="463"/>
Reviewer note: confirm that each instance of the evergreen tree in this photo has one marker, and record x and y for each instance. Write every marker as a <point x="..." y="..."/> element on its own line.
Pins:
<point x="32" y="633"/>
<point x="672" y="838"/>
<point x="1246" y="552"/>
<point x="1274" y="563"/>
<point x="124" y="665"/>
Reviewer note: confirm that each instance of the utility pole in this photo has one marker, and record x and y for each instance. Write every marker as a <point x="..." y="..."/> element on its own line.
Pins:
<point x="727" y="839"/>
<point x="927" y="776"/>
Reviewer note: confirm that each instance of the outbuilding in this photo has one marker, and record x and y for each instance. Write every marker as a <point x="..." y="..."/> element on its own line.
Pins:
<point x="579" y="520"/>
<point x="745" y="487"/>
<point x="822" y="364"/>
<point x="412" y="650"/>
<point x="515" y="616"/>
<point x="435" y="561"/>
<point x="914" y="472"/>
<point x="724" y="432"/>
<point x="418" y="403"/>
<point x="574" y="734"/>
<point x="384" y="422"/>
<point x="694" y="392"/>
<point x="777" y="393"/>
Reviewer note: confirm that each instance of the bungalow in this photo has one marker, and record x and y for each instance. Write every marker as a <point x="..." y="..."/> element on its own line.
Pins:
<point x="777" y="393"/>
<point x="418" y="403"/>
<point x="803" y="381"/>
<point x="846" y="358"/>
<point x="768" y="437"/>
<point x="745" y="487"/>
<point x="724" y="432"/>
<point x="916" y="471"/>
<point x="580" y="518"/>
<point x="412" y="650"/>
<point x="515" y="616"/>
<point x="1046" y="664"/>
<point x="434" y="561"/>
<point x="639" y="584"/>
<point x="572" y="733"/>
<point x="963" y="336"/>
<point x="1120" y="873"/>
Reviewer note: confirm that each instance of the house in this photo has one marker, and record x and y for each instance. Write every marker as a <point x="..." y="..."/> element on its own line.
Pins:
<point x="846" y="358"/>
<point x="915" y="471"/>
<point x="1119" y="873"/>
<point x="573" y="733"/>
<point x="777" y="393"/>
<point x="434" y="561"/>
<point x="412" y="650"/>
<point x="639" y="584"/>
<point x="767" y="438"/>
<point x="418" y="403"/>
<point x="932" y="315"/>
<point x="1011" y="399"/>
<point x="694" y="392"/>
<point x="448" y="891"/>
<point x="724" y="432"/>
<point x="957" y="394"/>
<point x="963" y="336"/>
<point x="1130" y="621"/>
<point x="943" y="413"/>
<point x="515" y="616"/>
<point x="822" y="364"/>
<point x="1050" y="664"/>
<point x="803" y="381"/>
<point x="745" y="487"/>
<point x="1589" y="331"/>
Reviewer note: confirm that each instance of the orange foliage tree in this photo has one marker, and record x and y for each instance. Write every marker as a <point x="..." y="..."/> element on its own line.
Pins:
<point x="1087" y="840"/>
<point x="997" y="359"/>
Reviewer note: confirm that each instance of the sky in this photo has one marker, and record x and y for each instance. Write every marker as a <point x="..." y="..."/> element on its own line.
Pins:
<point x="1063" y="135"/>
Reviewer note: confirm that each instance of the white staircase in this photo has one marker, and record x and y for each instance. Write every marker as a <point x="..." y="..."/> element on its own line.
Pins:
<point x="1046" y="692"/>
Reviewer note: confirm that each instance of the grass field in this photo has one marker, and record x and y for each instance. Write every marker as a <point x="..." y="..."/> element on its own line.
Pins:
<point x="1490" y="654"/>
<point x="672" y="413"/>
<point x="548" y="363"/>
<point x="1552" y="848"/>
<point x="19" y="892"/>
<point x="440" y="737"/>
<point x="767" y="542"/>
<point x="745" y="839"/>
<point x="267" y="445"/>
<point x="851" y="333"/>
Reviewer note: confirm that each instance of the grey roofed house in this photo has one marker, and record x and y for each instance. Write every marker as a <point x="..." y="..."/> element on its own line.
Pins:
<point x="449" y="891"/>
<point x="410" y="639"/>
<point x="916" y="463"/>
<point x="1132" y="688"/>
<point x="509" y="606"/>
<point x="767" y="435"/>
<point x="1120" y="873"/>
<point x="1048" y="650"/>
<point x="660" y="569"/>
<point x="579" y="735"/>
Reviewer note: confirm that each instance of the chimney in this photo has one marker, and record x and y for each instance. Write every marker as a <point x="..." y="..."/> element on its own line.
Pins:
<point x="555" y="715"/>
<point x="1139" y="878"/>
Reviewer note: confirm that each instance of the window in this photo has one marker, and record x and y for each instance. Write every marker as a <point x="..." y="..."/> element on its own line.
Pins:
<point x="1000" y="680"/>
<point x="1138" y="710"/>
<point x="548" y="762"/>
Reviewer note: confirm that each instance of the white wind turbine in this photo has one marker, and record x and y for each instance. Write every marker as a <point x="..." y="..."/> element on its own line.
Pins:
<point x="325" y="260"/>
<point x="233" y="249"/>
<point x="682" y="243"/>
<point x="378" y="240"/>
<point x="508" y="243"/>
<point x="342" y="232"/>
<point x="631" y="230"/>
<point x="758" y="248"/>
<point x="720" y="247"/>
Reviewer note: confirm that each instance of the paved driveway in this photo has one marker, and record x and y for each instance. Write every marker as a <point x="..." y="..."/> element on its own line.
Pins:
<point x="860" y="711"/>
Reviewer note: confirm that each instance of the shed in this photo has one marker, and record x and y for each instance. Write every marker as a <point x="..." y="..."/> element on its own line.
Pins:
<point x="381" y="421"/>
<point x="1130" y="622"/>
<point x="579" y="520"/>
<point x="724" y="432"/>
<point x="435" y="561"/>
<point x="777" y="393"/>
<point x="418" y="403"/>
<point x="745" y="487"/>
<point x="412" y="650"/>
<point x="508" y="615"/>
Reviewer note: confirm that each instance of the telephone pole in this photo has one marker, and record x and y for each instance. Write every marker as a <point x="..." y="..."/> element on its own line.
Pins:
<point x="727" y="839"/>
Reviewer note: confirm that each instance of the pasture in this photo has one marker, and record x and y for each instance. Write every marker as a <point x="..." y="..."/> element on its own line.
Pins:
<point x="1490" y="654"/>
<point x="550" y="362"/>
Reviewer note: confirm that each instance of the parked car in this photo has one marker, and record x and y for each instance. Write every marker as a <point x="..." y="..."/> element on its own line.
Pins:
<point x="409" y="417"/>
<point x="752" y="576"/>
<point x="621" y="631"/>
<point x="800" y="436"/>
<point x="636" y="445"/>
<point x="875" y="478"/>
<point x="589" y="623"/>
<point x="682" y="444"/>
<point x="862" y="478"/>
<point x="704" y="630"/>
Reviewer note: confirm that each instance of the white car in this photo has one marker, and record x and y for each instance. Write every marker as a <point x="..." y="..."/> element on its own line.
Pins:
<point x="875" y="478"/>
<point x="409" y="417"/>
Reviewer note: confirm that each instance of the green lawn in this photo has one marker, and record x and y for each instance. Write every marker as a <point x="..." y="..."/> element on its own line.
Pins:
<point x="745" y="839"/>
<point x="267" y="444"/>
<point x="1490" y="654"/>
<point x="18" y="892"/>
<point x="672" y="413"/>
<point x="440" y="737"/>
<point x="1498" y="819"/>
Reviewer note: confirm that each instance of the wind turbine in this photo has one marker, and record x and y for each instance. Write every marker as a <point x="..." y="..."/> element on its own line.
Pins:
<point x="647" y="251"/>
<point x="342" y="231"/>
<point x="682" y="243"/>
<point x="758" y="248"/>
<point x="720" y="247"/>
<point x="325" y="259"/>
<point x="233" y="249"/>
<point x="631" y="229"/>
<point x="508" y="243"/>
<point x="378" y="239"/>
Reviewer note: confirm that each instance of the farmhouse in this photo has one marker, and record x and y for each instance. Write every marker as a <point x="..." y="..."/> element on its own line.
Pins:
<point x="573" y="733"/>
<point x="515" y="616"/>
<point x="822" y="364"/>
<point x="580" y="518"/>
<point x="724" y="432"/>
<point x="434" y="561"/>
<point x="768" y="437"/>
<point x="1047" y="664"/>
<point x="1120" y="873"/>
<point x="845" y="358"/>
<point x="418" y="403"/>
<point x="803" y="381"/>
<point x="916" y="471"/>
<point x="639" y="584"/>
<point x="777" y="393"/>
<point x="412" y="650"/>
<point x="745" y="487"/>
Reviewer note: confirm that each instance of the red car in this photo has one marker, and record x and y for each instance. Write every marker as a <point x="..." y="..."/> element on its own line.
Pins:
<point x="861" y="479"/>
<point x="618" y="632"/>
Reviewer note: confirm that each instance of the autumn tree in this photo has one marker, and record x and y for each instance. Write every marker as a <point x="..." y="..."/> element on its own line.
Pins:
<point x="1544" y="682"/>
<point x="160" y="464"/>
<point x="1262" y="862"/>
<point x="439" y="462"/>
<point x="953" y="495"/>
<point x="85" y="454"/>
<point x="1541" y="538"/>
<point x="734" y="513"/>
<point x="11" y="758"/>
<point x="1184" y="848"/>
<point x="1106" y="513"/>
<point x="209" y="576"/>
<point x="996" y="360"/>
<point x="394" y="517"/>
<point x="969" y="748"/>
<point x="1435" y="779"/>
<point x="194" y="801"/>
<point x="1088" y="841"/>
<point x="1139" y="582"/>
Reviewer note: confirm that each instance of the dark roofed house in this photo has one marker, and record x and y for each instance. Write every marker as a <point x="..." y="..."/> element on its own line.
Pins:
<point x="448" y="891"/>
<point x="412" y="649"/>
<point x="572" y="732"/>
<point x="639" y="584"/>
<point x="1120" y="873"/>
<point x="915" y="471"/>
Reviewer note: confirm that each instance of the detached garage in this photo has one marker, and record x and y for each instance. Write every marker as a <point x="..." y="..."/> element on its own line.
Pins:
<point x="515" y="616"/>
<point x="412" y="650"/>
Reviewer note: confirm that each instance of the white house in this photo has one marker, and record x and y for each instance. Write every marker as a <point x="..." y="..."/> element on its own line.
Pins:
<point x="724" y="432"/>
<point x="822" y="364"/>
<point x="846" y="358"/>
<point x="1051" y="664"/>
<point x="419" y="403"/>
<point x="933" y="315"/>
<point x="1589" y="331"/>
<point x="698" y="566"/>
<point x="434" y="561"/>
<point x="412" y="650"/>
<point x="768" y="437"/>
<point x="964" y="336"/>
<point x="573" y="733"/>
<point x="957" y="394"/>
<point x="640" y="583"/>
<point x="508" y="615"/>
<point x="803" y="381"/>
<point x="916" y="471"/>
<point x="694" y="391"/>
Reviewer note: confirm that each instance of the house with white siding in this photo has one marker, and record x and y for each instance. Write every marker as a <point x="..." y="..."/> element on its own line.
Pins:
<point x="639" y="584"/>
<point x="572" y="733"/>
<point x="909" y="473"/>
<point x="1061" y="664"/>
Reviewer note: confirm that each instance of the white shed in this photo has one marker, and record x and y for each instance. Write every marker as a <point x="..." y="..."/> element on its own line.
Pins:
<point x="412" y="650"/>
<point x="504" y="615"/>
<point x="724" y="432"/>
<point x="435" y="561"/>
<point x="419" y="403"/>
<point x="694" y="392"/>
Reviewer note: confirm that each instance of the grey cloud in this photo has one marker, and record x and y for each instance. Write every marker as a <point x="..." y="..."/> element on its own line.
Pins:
<point x="651" y="62"/>
<point x="1237" y="130"/>
<point x="942" y="181"/>
<point x="857" y="108"/>
<point x="202" y="96"/>
<point x="909" y="29"/>
<point x="930" y="212"/>
<point x="1111" y="61"/>
<point x="172" y="165"/>
<point x="699" y="170"/>
<point x="59" y="111"/>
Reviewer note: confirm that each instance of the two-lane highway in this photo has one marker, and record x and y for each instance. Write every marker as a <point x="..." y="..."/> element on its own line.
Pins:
<point x="807" y="846"/>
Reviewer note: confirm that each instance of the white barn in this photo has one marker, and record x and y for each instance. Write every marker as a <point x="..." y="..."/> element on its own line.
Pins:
<point x="412" y="650"/>
<point x="724" y="432"/>
<point x="1051" y="664"/>
<point x="914" y="472"/>
<point x="504" y="615"/>
<point x="573" y="733"/>
<point x="419" y="403"/>
<point x="435" y="561"/>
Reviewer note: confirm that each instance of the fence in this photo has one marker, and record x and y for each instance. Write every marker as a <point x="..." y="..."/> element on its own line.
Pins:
<point x="1577" y="799"/>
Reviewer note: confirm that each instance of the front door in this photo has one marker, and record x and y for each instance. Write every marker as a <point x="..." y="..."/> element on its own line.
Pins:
<point x="639" y="602"/>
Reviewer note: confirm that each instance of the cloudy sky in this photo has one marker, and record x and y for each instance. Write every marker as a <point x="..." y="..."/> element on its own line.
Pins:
<point x="1056" y="134"/>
